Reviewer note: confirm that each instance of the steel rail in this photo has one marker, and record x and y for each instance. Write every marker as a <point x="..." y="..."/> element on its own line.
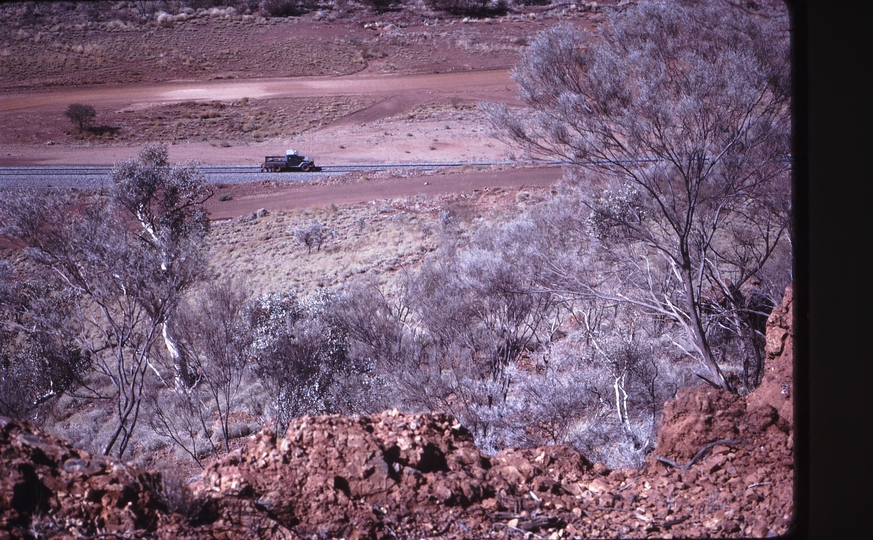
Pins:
<point x="329" y="167"/>
<point x="91" y="177"/>
<point x="227" y="169"/>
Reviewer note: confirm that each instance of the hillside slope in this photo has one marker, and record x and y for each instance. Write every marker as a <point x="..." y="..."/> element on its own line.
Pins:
<point x="393" y="475"/>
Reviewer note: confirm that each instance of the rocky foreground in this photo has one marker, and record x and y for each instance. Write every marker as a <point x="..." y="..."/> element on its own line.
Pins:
<point x="722" y="466"/>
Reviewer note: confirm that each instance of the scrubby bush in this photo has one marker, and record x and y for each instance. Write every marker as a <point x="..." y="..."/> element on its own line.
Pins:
<point x="80" y="115"/>
<point x="35" y="365"/>
<point x="286" y="8"/>
<point x="172" y="489"/>
<point x="311" y="235"/>
<point x="179" y="416"/>
<point x="473" y="8"/>
<point x="215" y="330"/>
<point x="383" y="5"/>
<point x="301" y="356"/>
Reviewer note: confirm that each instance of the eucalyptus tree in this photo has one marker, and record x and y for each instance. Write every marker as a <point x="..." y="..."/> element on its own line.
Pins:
<point x="167" y="203"/>
<point x="675" y="117"/>
<point x="121" y="264"/>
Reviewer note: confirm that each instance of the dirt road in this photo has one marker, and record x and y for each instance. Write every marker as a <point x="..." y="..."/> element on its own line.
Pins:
<point x="492" y="85"/>
<point x="245" y="200"/>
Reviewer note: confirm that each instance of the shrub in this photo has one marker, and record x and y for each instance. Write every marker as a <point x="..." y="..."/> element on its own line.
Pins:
<point x="312" y="235"/>
<point x="286" y="8"/>
<point x="300" y="355"/>
<point x="35" y="364"/>
<point x="383" y="5"/>
<point x="81" y="115"/>
<point x="473" y="8"/>
<point x="172" y="490"/>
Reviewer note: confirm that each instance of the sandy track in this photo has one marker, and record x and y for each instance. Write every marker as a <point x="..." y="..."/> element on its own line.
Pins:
<point x="492" y="84"/>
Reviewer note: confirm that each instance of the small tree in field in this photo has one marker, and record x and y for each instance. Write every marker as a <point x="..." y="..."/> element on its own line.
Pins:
<point x="81" y="115"/>
<point x="680" y="114"/>
<point x="312" y="235"/>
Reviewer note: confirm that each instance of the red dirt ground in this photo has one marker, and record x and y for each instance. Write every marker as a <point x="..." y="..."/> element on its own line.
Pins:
<point x="366" y="88"/>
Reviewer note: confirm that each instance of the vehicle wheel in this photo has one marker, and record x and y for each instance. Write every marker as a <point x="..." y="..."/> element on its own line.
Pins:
<point x="305" y="167"/>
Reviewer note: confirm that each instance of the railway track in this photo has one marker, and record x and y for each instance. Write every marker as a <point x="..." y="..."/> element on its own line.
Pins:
<point x="99" y="176"/>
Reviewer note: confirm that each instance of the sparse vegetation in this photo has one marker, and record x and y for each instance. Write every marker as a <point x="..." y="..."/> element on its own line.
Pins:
<point x="121" y="287"/>
<point x="383" y="5"/>
<point x="559" y="317"/>
<point x="476" y="8"/>
<point x="286" y="8"/>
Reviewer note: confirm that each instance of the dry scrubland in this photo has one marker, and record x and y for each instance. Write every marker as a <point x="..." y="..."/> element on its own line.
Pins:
<point x="506" y="307"/>
<point x="427" y="478"/>
<point x="381" y="242"/>
<point x="245" y="46"/>
<point x="376" y="242"/>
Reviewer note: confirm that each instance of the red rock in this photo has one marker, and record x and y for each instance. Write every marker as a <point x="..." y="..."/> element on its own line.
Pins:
<point x="417" y="475"/>
<point x="601" y="469"/>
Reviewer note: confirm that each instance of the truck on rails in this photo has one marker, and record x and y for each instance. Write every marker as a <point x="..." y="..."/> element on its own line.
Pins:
<point x="291" y="161"/>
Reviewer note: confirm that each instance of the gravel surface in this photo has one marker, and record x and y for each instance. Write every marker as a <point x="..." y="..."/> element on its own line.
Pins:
<point x="98" y="177"/>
